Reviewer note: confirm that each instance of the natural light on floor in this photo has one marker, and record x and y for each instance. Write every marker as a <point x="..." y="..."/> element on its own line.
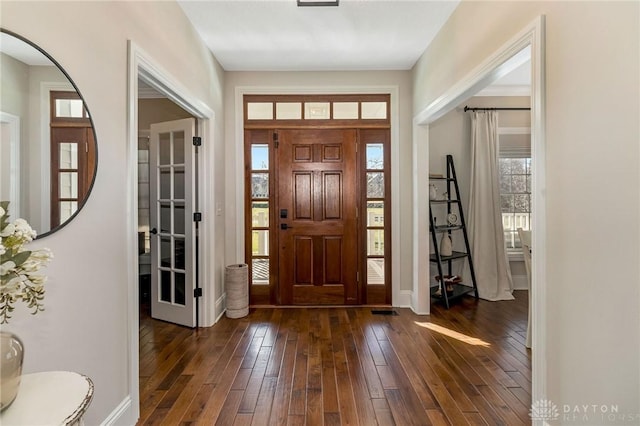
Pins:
<point x="454" y="334"/>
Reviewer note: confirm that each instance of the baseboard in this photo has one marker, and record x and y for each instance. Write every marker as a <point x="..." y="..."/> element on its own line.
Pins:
<point x="520" y="282"/>
<point x="221" y="306"/>
<point x="405" y="298"/>
<point x="404" y="301"/>
<point x="121" y="415"/>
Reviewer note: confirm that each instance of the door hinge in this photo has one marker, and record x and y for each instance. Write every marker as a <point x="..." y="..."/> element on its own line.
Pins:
<point x="197" y="217"/>
<point x="276" y="142"/>
<point x="197" y="141"/>
<point x="197" y="292"/>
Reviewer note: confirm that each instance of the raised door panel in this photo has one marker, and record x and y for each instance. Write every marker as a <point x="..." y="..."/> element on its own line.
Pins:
<point x="333" y="255"/>
<point x="303" y="195"/>
<point x="331" y="153"/>
<point x="303" y="260"/>
<point x="302" y="153"/>
<point x="332" y="195"/>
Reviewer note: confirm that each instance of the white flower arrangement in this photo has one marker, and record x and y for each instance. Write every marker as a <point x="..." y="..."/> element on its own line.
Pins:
<point x="19" y="280"/>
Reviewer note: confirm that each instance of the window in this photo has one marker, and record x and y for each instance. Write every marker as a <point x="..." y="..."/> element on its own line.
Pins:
<point x="376" y="185"/>
<point x="515" y="187"/>
<point x="72" y="154"/>
<point x="260" y="208"/>
<point x="333" y="109"/>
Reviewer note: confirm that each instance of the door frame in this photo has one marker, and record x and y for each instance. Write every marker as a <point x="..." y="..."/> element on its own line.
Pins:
<point x="494" y="66"/>
<point x="45" y="145"/>
<point x="11" y="148"/>
<point x="400" y="298"/>
<point x="142" y="66"/>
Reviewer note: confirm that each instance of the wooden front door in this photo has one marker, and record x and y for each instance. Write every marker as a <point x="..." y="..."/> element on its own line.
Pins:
<point x="73" y="154"/>
<point x="316" y="216"/>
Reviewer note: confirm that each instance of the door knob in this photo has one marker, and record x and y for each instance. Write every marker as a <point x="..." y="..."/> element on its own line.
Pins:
<point x="284" y="226"/>
<point x="153" y="231"/>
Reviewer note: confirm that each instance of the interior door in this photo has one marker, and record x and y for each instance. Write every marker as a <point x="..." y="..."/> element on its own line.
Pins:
<point x="317" y="201"/>
<point x="172" y="184"/>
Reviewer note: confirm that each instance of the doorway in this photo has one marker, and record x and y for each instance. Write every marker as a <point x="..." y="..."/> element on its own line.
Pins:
<point x="490" y="70"/>
<point x="10" y="154"/>
<point x="165" y="203"/>
<point x="318" y="204"/>
<point x="143" y="69"/>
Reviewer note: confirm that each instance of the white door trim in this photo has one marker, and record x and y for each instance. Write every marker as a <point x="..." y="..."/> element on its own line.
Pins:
<point x="141" y="65"/>
<point x="399" y="298"/>
<point x="12" y="148"/>
<point x="479" y="77"/>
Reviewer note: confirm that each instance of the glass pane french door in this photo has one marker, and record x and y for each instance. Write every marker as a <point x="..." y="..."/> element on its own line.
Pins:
<point x="172" y="205"/>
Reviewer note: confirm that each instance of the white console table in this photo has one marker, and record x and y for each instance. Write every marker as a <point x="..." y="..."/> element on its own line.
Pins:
<point x="49" y="398"/>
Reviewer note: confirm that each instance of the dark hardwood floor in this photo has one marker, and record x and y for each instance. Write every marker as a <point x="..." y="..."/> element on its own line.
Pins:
<point x="332" y="366"/>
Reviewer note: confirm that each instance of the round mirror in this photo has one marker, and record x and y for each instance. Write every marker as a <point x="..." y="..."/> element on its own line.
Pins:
<point x="48" y="155"/>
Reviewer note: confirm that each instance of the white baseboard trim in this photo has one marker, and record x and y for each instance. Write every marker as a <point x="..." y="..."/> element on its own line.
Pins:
<point x="520" y="282"/>
<point x="404" y="300"/>
<point x="419" y="308"/>
<point x="121" y="414"/>
<point x="221" y="306"/>
<point x="420" y="313"/>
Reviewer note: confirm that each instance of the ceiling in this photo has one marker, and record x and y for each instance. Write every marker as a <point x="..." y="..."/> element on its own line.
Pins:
<point x="516" y="80"/>
<point x="22" y="51"/>
<point x="278" y="35"/>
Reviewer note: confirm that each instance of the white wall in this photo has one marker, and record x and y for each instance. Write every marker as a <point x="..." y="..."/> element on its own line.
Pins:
<point x="593" y="163"/>
<point x="84" y="326"/>
<point x="13" y="85"/>
<point x="14" y="82"/>
<point x="310" y="82"/>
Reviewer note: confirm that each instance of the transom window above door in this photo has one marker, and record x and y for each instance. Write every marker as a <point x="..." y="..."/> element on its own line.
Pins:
<point x="316" y="110"/>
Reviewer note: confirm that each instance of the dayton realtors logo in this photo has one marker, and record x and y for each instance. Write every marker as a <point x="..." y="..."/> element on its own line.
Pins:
<point x="544" y="410"/>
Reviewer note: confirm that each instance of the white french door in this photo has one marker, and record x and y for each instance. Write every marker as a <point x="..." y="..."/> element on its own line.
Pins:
<point x="173" y="242"/>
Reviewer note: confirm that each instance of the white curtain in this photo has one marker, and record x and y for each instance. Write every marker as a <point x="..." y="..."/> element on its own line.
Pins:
<point x="486" y="236"/>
